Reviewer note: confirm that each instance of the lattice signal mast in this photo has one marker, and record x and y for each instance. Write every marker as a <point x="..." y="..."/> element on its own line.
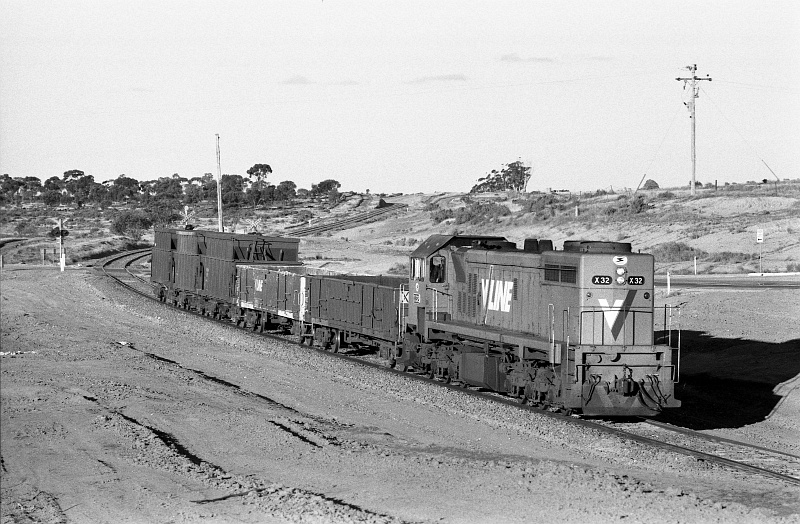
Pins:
<point x="691" y="106"/>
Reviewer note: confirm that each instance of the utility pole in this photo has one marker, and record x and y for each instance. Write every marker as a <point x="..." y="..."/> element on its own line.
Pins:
<point x="219" y="189"/>
<point x="61" y="255"/>
<point x="691" y="106"/>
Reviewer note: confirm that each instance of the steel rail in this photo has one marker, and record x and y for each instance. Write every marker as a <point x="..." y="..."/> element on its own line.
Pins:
<point x="714" y="438"/>
<point x="496" y="397"/>
<point x="134" y="256"/>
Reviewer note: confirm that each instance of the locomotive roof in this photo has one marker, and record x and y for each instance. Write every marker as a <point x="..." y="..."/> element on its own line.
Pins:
<point x="437" y="242"/>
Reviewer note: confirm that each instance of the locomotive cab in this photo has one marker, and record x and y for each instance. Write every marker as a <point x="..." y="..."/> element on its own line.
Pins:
<point x="434" y="275"/>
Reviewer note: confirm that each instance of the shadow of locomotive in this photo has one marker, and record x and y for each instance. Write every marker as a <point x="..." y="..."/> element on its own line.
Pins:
<point x="729" y="382"/>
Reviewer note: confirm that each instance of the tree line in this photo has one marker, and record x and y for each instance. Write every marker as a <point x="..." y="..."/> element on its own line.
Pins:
<point x="78" y="188"/>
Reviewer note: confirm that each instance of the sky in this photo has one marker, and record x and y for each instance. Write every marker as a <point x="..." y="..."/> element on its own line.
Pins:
<point x="401" y="96"/>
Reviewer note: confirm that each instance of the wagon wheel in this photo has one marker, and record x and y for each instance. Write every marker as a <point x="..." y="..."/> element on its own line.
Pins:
<point x="336" y="342"/>
<point x="523" y="398"/>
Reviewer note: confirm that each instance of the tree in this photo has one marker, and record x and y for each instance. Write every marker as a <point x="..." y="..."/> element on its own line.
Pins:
<point x="9" y="187"/>
<point x="192" y="194"/>
<point x="232" y="189"/>
<point x="324" y="187"/>
<point x="53" y="184"/>
<point x="512" y="177"/>
<point x="51" y="198"/>
<point x="73" y="173"/>
<point x="168" y="188"/>
<point x="259" y="172"/>
<point x="32" y="183"/>
<point x="650" y="184"/>
<point x="148" y="190"/>
<point x="124" y="188"/>
<point x="334" y="196"/>
<point x="131" y="224"/>
<point x="285" y="190"/>
<point x="162" y="214"/>
<point x="79" y="185"/>
<point x="209" y="186"/>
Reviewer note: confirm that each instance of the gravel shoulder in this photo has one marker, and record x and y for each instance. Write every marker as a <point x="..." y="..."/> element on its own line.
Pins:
<point x="116" y="409"/>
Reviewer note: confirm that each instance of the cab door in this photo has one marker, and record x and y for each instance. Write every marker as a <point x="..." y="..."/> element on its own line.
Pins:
<point x="438" y="299"/>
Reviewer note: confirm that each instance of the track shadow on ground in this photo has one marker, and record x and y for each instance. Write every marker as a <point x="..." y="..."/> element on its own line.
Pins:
<point x="729" y="382"/>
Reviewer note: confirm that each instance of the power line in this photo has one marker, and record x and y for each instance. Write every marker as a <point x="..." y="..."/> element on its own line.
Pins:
<point x="759" y="86"/>
<point x="753" y="149"/>
<point x="658" y="149"/>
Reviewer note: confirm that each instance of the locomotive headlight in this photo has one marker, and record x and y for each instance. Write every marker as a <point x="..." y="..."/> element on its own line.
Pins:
<point x="621" y="271"/>
<point x="620" y="280"/>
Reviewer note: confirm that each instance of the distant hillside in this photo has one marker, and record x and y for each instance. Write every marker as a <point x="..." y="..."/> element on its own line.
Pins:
<point x="719" y="227"/>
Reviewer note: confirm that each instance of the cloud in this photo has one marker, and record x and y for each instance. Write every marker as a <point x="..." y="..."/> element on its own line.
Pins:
<point x="597" y="58"/>
<point x="297" y="80"/>
<point x="515" y="58"/>
<point x="438" y="78"/>
<point x="304" y="80"/>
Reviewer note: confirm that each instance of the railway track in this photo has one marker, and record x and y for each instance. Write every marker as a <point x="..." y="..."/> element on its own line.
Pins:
<point x="724" y="452"/>
<point x="739" y="455"/>
<point x="347" y="223"/>
<point x="119" y="267"/>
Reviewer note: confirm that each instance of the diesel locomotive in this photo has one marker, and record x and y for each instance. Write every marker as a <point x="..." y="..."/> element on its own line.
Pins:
<point x="569" y="329"/>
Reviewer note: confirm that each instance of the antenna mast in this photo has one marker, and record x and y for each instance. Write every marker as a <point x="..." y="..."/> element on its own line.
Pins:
<point x="219" y="189"/>
<point x="691" y="106"/>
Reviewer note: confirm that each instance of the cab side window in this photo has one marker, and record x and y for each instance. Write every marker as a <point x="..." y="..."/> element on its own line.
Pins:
<point x="437" y="269"/>
<point x="417" y="269"/>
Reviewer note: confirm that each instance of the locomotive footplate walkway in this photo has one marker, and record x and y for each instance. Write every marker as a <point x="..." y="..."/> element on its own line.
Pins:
<point x="493" y="334"/>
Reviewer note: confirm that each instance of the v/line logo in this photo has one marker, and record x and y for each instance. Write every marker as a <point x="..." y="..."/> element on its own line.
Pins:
<point x="497" y="294"/>
<point x="616" y="313"/>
